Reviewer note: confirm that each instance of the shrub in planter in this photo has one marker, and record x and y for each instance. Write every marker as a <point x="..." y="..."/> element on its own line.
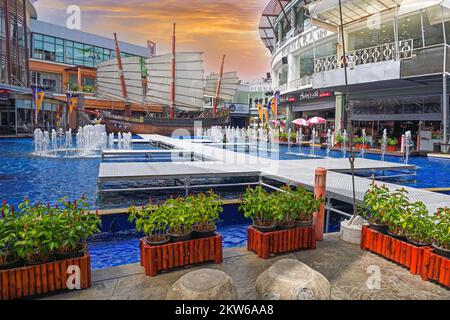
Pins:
<point x="284" y="136"/>
<point x="180" y="218"/>
<point x="206" y="209"/>
<point x="285" y="209"/>
<point x="374" y="206"/>
<point x="396" y="209"/>
<point x="305" y="204"/>
<point x="43" y="231"/>
<point x="260" y="207"/>
<point x="151" y="220"/>
<point x="441" y="232"/>
<point x="8" y="237"/>
<point x="293" y="137"/>
<point x="419" y="225"/>
<point x="339" y="140"/>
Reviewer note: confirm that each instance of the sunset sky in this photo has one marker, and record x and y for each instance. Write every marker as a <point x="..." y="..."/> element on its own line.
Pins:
<point x="214" y="27"/>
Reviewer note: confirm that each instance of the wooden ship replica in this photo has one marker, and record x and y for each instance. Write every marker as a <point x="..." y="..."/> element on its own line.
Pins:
<point x="175" y="81"/>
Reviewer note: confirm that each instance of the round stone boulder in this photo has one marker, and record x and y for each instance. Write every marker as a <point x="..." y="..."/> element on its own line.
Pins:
<point x="204" y="284"/>
<point x="291" y="279"/>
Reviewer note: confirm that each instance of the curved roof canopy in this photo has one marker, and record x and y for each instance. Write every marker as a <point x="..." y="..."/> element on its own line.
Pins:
<point x="352" y="10"/>
<point x="267" y="23"/>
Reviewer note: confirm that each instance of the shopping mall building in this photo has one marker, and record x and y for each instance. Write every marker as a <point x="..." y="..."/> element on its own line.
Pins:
<point x="34" y="53"/>
<point x="396" y="57"/>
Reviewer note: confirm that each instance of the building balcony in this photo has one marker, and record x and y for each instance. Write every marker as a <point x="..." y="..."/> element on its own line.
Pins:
<point x="301" y="83"/>
<point x="377" y="63"/>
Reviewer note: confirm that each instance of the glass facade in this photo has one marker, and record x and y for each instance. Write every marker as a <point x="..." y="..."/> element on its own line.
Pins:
<point x="52" y="82"/>
<point x="13" y="41"/>
<point x="70" y="52"/>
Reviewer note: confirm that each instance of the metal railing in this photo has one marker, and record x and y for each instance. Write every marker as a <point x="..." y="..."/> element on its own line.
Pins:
<point x="298" y="83"/>
<point x="383" y="52"/>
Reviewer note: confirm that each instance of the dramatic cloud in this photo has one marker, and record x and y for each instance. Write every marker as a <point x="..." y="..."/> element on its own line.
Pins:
<point x="215" y="27"/>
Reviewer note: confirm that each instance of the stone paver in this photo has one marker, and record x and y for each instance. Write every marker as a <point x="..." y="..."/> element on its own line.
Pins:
<point x="346" y="267"/>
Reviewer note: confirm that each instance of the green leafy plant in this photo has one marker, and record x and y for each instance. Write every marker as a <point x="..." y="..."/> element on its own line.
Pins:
<point x="206" y="210"/>
<point x="152" y="220"/>
<point x="180" y="216"/>
<point x="393" y="142"/>
<point x="306" y="204"/>
<point x="294" y="136"/>
<point x="9" y="229"/>
<point x="441" y="229"/>
<point x="284" y="136"/>
<point x="260" y="207"/>
<point x="419" y="224"/>
<point x="373" y="208"/>
<point x="397" y="207"/>
<point x="339" y="139"/>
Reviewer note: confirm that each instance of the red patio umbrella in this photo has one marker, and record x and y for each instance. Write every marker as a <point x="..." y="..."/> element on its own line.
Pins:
<point x="316" y="120"/>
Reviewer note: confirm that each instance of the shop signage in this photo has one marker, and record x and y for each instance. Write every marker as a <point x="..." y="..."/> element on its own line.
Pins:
<point x="237" y="108"/>
<point x="305" y="40"/>
<point x="306" y="95"/>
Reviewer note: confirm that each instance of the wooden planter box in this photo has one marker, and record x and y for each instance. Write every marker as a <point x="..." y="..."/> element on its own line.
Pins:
<point x="265" y="244"/>
<point x="436" y="268"/>
<point x="180" y="254"/>
<point x="401" y="252"/>
<point x="45" y="278"/>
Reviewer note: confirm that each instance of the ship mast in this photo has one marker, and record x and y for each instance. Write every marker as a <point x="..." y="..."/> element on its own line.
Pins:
<point x="122" y="79"/>
<point x="219" y="83"/>
<point x="172" y="82"/>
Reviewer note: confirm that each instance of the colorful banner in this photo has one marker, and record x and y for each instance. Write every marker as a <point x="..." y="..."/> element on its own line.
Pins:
<point x="259" y="107"/>
<point x="38" y="99"/>
<point x="71" y="102"/>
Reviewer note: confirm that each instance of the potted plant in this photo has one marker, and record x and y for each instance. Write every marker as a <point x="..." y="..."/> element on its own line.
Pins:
<point x="441" y="233"/>
<point x="285" y="210"/>
<point x="151" y="220"/>
<point x="206" y="213"/>
<point x="419" y="225"/>
<point x="339" y="140"/>
<point x="392" y="144"/>
<point x="8" y="236"/>
<point x="259" y="206"/>
<point x="293" y="137"/>
<point x="396" y="209"/>
<point x="374" y="207"/>
<point x="180" y="219"/>
<point x="284" y="136"/>
<point x="73" y="224"/>
<point x="359" y="143"/>
<point x="306" y="204"/>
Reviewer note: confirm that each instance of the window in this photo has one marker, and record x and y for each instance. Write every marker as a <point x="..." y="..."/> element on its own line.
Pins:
<point x="410" y="27"/>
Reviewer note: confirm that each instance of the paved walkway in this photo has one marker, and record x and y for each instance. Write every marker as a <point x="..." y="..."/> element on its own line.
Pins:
<point x="343" y="264"/>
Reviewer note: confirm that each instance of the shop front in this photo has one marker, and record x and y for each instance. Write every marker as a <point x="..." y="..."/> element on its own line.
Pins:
<point x="311" y="103"/>
<point x="420" y="114"/>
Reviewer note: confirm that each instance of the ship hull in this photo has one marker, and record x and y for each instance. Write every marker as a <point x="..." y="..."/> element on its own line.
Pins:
<point x="162" y="126"/>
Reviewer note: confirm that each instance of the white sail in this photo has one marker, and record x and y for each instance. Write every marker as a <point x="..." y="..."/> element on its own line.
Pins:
<point x="228" y="87"/>
<point x="108" y="80"/>
<point x="189" y="80"/>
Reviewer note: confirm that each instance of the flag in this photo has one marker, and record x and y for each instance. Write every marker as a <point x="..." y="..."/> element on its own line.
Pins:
<point x="71" y="102"/>
<point x="266" y="113"/>
<point x="274" y="106"/>
<point x="38" y="99"/>
<point x="260" y="112"/>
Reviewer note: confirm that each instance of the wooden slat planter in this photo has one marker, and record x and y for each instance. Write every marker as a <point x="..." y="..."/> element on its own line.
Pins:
<point x="41" y="279"/>
<point x="180" y="254"/>
<point x="401" y="252"/>
<point x="435" y="268"/>
<point x="266" y="244"/>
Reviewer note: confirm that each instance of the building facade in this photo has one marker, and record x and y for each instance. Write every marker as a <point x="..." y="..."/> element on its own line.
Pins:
<point x="55" y="59"/>
<point x="395" y="54"/>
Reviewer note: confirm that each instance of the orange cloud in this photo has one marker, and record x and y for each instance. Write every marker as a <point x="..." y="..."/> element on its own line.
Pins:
<point x="215" y="27"/>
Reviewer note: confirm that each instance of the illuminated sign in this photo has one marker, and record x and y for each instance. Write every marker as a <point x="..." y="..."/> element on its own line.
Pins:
<point x="305" y="96"/>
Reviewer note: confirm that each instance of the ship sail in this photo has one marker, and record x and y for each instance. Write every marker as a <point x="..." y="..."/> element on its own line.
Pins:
<point x="228" y="87"/>
<point x="108" y="80"/>
<point x="189" y="80"/>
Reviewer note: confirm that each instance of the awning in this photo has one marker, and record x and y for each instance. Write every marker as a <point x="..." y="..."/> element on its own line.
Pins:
<point x="267" y="23"/>
<point x="437" y="10"/>
<point x="352" y="10"/>
<point x="410" y="6"/>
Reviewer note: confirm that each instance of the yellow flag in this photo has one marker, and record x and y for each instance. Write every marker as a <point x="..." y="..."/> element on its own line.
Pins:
<point x="266" y="113"/>
<point x="72" y="105"/>
<point x="274" y="106"/>
<point x="260" y="112"/>
<point x="39" y="99"/>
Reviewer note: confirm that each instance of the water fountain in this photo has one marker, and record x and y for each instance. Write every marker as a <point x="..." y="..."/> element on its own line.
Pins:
<point x="329" y="142"/>
<point x="364" y="142"/>
<point x="90" y="141"/>
<point x="289" y="140"/>
<point x="344" y="144"/>
<point x="384" y="142"/>
<point x="408" y="146"/>
<point x="313" y="143"/>
<point x="300" y="141"/>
